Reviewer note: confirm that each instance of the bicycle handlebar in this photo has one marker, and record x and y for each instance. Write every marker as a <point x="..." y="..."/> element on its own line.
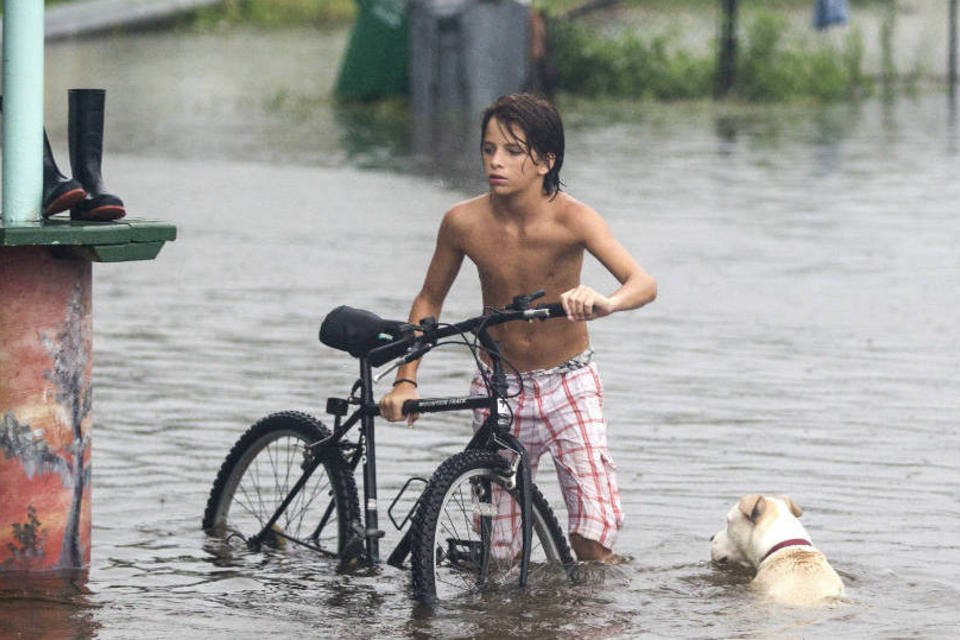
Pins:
<point x="417" y="346"/>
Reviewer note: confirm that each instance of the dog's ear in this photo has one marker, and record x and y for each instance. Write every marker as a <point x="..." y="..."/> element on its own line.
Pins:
<point x="794" y="507"/>
<point x="752" y="506"/>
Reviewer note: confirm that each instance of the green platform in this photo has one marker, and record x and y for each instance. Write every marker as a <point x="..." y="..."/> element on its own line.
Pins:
<point x="117" y="241"/>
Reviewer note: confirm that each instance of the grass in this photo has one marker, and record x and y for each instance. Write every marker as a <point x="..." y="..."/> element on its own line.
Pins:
<point x="274" y="14"/>
<point x="625" y="65"/>
<point x="772" y="64"/>
<point x="775" y="67"/>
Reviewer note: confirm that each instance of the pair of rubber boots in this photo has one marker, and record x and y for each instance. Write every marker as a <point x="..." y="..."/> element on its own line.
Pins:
<point x="83" y="194"/>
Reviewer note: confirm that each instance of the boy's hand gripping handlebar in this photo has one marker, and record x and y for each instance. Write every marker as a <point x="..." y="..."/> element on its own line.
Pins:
<point x="519" y="309"/>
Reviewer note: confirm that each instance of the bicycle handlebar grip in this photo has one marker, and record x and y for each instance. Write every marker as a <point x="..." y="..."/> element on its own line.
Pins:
<point x="555" y="309"/>
<point x="437" y="405"/>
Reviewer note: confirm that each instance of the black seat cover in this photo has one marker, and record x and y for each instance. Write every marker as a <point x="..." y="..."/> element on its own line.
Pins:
<point x="358" y="332"/>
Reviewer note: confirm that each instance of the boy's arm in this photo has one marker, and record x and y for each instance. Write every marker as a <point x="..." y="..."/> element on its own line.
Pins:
<point x="637" y="287"/>
<point x="444" y="266"/>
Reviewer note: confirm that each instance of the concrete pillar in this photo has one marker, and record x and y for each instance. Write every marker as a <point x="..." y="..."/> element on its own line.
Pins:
<point x="45" y="410"/>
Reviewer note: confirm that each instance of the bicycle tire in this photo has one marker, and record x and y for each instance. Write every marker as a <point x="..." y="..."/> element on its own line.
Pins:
<point x="257" y="475"/>
<point x="452" y="532"/>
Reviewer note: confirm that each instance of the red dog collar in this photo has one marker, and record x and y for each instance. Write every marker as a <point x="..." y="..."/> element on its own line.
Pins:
<point x="793" y="542"/>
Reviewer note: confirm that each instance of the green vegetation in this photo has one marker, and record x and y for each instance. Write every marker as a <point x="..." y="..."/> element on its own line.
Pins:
<point x="772" y="65"/>
<point x="274" y="14"/>
<point x="625" y="65"/>
<point x="774" y="68"/>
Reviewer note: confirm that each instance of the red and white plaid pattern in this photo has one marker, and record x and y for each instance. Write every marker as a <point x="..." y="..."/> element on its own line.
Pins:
<point x="560" y="410"/>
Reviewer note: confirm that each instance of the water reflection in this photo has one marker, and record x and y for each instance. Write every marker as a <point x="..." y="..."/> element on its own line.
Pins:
<point x="54" y="606"/>
<point x="449" y="145"/>
<point x="374" y="135"/>
<point x="952" y="118"/>
<point x="546" y="612"/>
<point x="387" y="136"/>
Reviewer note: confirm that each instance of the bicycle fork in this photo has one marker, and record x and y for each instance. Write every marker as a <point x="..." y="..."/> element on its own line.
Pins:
<point x="520" y="469"/>
<point x="520" y="472"/>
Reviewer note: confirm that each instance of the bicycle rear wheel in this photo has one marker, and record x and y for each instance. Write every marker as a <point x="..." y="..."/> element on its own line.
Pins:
<point x="259" y="473"/>
<point x="466" y="532"/>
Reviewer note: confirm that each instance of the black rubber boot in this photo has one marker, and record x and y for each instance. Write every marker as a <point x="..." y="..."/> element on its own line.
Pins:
<point x="85" y="128"/>
<point x="59" y="192"/>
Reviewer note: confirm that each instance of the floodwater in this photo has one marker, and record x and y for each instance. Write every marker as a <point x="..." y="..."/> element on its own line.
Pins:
<point x="805" y="341"/>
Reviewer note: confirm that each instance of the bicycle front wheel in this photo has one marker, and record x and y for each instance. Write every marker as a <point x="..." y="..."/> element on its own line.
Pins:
<point x="467" y="531"/>
<point x="259" y="473"/>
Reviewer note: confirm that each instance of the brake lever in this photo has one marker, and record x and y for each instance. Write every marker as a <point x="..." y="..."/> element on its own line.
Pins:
<point x="406" y="358"/>
<point x="522" y="302"/>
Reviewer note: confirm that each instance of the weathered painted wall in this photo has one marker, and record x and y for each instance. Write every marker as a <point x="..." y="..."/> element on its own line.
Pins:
<point x="45" y="410"/>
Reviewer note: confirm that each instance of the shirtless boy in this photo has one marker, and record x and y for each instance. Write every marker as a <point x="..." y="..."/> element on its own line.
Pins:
<point x="523" y="235"/>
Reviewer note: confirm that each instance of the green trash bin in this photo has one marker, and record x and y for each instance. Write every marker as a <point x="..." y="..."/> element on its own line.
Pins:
<point x="375" y="63"/>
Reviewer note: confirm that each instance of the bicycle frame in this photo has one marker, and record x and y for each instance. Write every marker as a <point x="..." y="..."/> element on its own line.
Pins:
<point x="491" y="434"/>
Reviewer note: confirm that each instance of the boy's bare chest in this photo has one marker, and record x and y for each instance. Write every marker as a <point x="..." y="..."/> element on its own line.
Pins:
<point x="508" y="257"/>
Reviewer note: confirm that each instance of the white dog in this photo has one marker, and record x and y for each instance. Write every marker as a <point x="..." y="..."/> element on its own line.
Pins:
<point x="764" y="533"/>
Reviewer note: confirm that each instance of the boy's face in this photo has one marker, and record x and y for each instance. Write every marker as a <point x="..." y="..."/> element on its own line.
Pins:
<point x="509" y="164"/>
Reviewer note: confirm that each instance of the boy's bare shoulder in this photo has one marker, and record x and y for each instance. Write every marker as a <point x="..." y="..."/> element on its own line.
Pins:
<point x="467" y="213"/>
<point x="576" y="215"/>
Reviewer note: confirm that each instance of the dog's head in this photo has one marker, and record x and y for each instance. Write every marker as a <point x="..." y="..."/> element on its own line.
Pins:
<point x="753" y="526"/>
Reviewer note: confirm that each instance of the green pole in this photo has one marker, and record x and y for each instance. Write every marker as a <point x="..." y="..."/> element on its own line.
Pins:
<point x="952" y="50"/>
<point x="727" y="49"/>
<point x="22" y="111"/>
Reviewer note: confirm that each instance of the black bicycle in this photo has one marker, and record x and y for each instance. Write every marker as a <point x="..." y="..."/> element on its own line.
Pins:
<point x="288" y="483"/>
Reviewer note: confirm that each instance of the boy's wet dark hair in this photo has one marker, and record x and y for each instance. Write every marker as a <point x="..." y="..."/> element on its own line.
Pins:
<point x="538" y="120"/>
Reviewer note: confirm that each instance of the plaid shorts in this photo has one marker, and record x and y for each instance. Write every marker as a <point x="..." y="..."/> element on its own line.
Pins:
<point x="560" y="410"/>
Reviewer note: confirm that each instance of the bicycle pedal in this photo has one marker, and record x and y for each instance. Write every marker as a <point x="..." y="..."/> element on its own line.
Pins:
<point x="352" y="554"/>
<point x="349" y="565"/>
<point x="275" y="538"/>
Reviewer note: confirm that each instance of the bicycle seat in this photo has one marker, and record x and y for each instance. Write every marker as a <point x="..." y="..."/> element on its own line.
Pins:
<point x="358" y="332"/>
